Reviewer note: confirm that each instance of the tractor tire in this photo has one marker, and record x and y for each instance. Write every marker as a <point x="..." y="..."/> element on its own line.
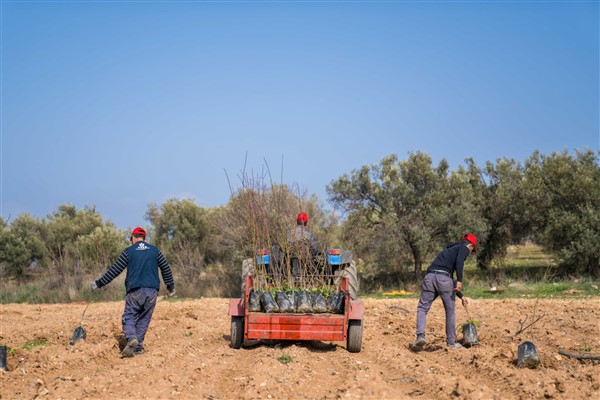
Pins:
<point x="351" y="273"/>
<point x="354" y="338"/>
<point x="237" y="332"/>
<point x="247" y="270"/>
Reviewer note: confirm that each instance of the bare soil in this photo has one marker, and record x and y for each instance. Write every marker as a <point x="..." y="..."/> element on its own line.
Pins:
<point x="188" y="355"/>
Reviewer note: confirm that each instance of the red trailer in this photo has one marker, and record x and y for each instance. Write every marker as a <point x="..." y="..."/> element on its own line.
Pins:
<point x="346" y="327"/>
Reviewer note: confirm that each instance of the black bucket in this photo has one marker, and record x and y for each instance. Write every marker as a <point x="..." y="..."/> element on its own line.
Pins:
<point x="469" y="335"/>
<point x="254" y="301"/>
<point x="3" y="358"/>
<point x="304" y="302"/>
<point x="268" y="302"/>
<point x="284" y="303"/>
<point x="78" y="334"/>
<point x="528" y="356"/>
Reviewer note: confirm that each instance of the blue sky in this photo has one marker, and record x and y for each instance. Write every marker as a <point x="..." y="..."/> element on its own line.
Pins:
<point x="119" y="104"/>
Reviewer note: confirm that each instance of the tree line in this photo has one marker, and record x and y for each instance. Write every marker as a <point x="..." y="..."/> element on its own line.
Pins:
<point x="394" y="215"/>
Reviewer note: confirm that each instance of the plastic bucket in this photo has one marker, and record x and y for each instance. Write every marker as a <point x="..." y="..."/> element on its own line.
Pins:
<point x="469" y="335"/>
<point x="528" y="356"/>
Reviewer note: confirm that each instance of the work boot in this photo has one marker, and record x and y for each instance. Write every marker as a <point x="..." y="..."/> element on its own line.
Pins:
<point x="138" y="350"/>
<point x="129" y="348"/>
<point x="455" y="346"/>
<point x="419" y="344"/>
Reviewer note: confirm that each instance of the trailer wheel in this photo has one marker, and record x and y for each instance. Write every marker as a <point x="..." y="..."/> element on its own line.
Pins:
<point x="237" y="332"/>
<point x="351" y="273"/>
<point x="354" y="339"/>
<point x="247" y="270"/>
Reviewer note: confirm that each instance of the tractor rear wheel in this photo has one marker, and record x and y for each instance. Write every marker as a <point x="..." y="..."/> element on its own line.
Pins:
<point x="247" y="270"/>
<point x="354" y="338"/>
<point x="351" y="273"/>
<point x="237" y="332"/>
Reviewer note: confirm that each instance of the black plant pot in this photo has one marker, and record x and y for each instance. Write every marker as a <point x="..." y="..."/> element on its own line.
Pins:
<point x="469" y="335"/>
<point x="528" y="356"/>
<point x="3" y="358"/>
<point x="78" y="334"/>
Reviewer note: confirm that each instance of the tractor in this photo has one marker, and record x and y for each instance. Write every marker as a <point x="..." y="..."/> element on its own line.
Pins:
<point x="335" y="267"/>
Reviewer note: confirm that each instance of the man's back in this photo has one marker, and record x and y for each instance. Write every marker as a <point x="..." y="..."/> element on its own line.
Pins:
<point x="301" y="239"/>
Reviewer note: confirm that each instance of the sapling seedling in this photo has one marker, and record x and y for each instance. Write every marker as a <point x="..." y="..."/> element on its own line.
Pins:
<point x="527" y="351"/>
<point x="469" y="330"/>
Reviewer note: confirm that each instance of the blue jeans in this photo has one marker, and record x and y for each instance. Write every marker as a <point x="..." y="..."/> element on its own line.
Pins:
<point x="139" y="306"/>
<point x="435" y="285"/>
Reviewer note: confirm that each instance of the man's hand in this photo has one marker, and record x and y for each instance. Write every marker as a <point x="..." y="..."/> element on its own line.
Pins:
<point x="93" y="285"/>
<point x="458" y="287"/>
<point x="171" y="292"/>
<point x="465" y="302"/>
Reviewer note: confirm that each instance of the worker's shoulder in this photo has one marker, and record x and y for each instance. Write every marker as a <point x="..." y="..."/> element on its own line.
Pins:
<point x="143" y="246"/>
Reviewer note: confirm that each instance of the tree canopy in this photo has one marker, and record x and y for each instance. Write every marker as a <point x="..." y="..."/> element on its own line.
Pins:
<point x="394" y="215"/>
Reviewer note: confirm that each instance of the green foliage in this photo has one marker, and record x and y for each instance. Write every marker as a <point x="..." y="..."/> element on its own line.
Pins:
<point x="585" y="348"/>
<point x="285" y="358"/>
<point x="499" y="194"/>
<point x="533" y="289"/>
<point x="469" y="321"/>
<point x="15" y="257"/>
<point x="563" y="193"/>
<point x="405" y="209"/>
<point x="180" y="230"/>
<point x="69" y="242"/>
<point x="9" y="350"/>
<point x="101" y="247"/>
<point x="30" y="231"/>
<point x="325" y="291"/>
<point x="395" y="216"/>
<point x="30" y="344"/>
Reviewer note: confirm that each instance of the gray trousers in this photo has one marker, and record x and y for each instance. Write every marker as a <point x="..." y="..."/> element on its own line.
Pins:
<point x="139" y="306"/>
<point x="435" y="285"/>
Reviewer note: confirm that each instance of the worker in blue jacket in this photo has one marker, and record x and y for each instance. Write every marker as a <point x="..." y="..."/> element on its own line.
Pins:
<point x="142" y="261"/>
<point x="439" y="281"/>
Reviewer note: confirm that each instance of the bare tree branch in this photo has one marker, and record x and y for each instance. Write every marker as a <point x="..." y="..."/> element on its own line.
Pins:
<point x="523" y="327"/>
<point x="578" y="356"/>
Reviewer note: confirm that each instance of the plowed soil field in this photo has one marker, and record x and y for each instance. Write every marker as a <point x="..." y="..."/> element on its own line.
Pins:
<point x="188" y="355"/>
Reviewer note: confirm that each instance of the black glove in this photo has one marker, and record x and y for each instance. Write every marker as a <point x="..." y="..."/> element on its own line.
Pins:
<point x="171" y="291"/>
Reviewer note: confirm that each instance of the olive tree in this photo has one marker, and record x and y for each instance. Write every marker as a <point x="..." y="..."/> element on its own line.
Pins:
<point x="180" y="229"/>
<point x="60" y="232"/>
<point x="498" y="190"/>
<point x="98" y="249"/>
<point x="563" y="200"/>
<point x="15" y="257"/>
<point x="419" y="206"/>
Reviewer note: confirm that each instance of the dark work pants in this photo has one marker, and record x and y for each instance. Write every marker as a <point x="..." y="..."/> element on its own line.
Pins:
<point x="435" y="285"/>
<point x="139" y="306"/>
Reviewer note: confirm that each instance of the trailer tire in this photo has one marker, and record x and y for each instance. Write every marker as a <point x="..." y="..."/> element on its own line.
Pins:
<point x="351" y="273"/>
<point x="237" y="332"/>
<point x="247" y="270"/>
<point x="354" y="338"/>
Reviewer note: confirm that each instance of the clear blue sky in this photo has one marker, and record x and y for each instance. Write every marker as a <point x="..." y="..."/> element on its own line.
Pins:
<point x="119" y="104"/>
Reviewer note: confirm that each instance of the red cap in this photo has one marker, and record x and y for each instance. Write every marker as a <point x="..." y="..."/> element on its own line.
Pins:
<point x="471" y="238"/>
<point x="139" y="231"/>
<point x="302" y="217"/>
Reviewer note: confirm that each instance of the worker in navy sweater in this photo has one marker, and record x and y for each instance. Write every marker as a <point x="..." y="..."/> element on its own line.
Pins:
<point x="438" y="281"/>
<point x="142" y="261"/>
